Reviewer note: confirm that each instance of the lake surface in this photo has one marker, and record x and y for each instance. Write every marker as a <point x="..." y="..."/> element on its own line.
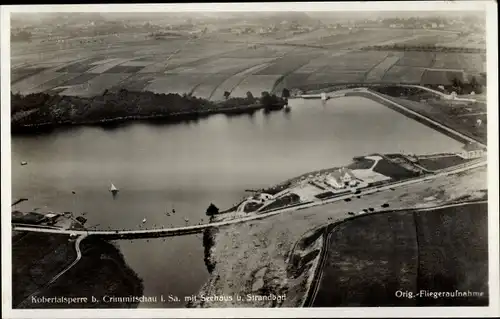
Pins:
<point x="187" y="166"/>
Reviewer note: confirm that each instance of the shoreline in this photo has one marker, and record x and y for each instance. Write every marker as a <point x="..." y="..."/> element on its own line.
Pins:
<point x="307" y="258"/>
<point x="112" y="122"/>
<point x="40" y="112"/>
<point x="298" y="294"/>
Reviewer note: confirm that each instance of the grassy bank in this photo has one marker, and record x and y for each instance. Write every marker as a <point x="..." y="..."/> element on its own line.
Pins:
<point x="36" y="258"/>
<point x="438" y="250"/>
<point x="101" y="271"/>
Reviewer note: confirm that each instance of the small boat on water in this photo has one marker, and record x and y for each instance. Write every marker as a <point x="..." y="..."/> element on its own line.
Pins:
<point x="144" y="220"/>
<point x="24" y="163"/>
<point x="186" y="220"/>
<point x="113" y="189"/>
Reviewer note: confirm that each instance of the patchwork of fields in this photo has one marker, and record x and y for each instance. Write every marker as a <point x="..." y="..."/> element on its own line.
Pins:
<point x="210" y="68"/>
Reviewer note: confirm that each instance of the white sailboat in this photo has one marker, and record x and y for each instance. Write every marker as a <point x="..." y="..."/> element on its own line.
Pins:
<point x="113" y="188"/>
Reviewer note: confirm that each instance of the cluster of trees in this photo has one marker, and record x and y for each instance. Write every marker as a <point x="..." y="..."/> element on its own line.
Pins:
<point x="123" y="104"/>
<point x="423" y="47"/>
<point x="208" y="243"/>
<point x="414" y="20"/>
<point x="56" y="108"/>
<point x="20" y="103"/>
<point x="21" y="36"/>
<point x="269" y="100"/>
<point x="160" y="34"/>
<point x="460" y="87"/>
<point x="266" y="99"/>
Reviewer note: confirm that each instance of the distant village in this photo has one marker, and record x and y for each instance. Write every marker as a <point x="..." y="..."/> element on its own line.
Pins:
<point x="195" y="28"/>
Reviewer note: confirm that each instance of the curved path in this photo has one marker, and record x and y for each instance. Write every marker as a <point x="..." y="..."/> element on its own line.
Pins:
<point x="178" y="231"/>
<point x="77" y="259"/>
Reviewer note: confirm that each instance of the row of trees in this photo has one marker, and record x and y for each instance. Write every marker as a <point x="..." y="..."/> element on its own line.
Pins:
<point x="424" y="47"/>
<point x="266" y="98"/>
<point x="466" y="88"/>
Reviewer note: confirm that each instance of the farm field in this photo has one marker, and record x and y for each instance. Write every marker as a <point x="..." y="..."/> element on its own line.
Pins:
<point x="28" y="83"/>
<point x="95" y="86"/>
<point x="136" y="82"/>
<point x="326" y="59"/>
<point x="103" y="67"/>
<point x="377" y="73"/>
<point x="22" y="73"/>
<point x="473" y="63"/>
<point x="209" y="67"/>
<point x="447" y="61"/>
<point x="470" y="41"/>
<point x="417" y="59"/>
<point x="288" y="63"/>
<point x="256" y="84"/>
<point x="54" y="83"/>
<point x="293" y="80"/>
<point x="336" y="77"/>
<point x="441" y="76"/>
<point x="258" y="51"/>
<point x="175" y="83"/>
<point x="165" y="64"/>
<point x="208" y="87"/>
<point x="403" y="74"/>
<point x="357" y="61"/>
<point x="222" y="65"/>
<point x="233" y="81"/>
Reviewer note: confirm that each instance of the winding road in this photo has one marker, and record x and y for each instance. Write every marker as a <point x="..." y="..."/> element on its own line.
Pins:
<point x="78" y="257"/>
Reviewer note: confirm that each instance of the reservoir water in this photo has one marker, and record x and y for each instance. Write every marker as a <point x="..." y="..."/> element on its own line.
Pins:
<point x="187" y="166"/>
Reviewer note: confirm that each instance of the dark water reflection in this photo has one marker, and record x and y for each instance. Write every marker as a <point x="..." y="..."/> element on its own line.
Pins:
<point x="188" y="165"/>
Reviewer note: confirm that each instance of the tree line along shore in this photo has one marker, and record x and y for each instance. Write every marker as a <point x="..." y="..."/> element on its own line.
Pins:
<point x="42" y="110"/>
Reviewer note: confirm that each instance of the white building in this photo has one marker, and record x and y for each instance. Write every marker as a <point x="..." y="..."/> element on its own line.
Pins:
<point x="341" y="178"/>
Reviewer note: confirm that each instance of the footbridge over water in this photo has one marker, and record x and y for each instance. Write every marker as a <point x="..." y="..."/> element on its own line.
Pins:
<point x="189" y="230"/>
<point x="118" y="234"/>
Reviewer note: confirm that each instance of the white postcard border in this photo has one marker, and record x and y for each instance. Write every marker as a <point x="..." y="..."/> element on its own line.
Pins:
<point x="492" y="98"/>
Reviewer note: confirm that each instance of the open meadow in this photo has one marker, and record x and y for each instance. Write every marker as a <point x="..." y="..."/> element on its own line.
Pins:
<point x="212" y="65"/>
